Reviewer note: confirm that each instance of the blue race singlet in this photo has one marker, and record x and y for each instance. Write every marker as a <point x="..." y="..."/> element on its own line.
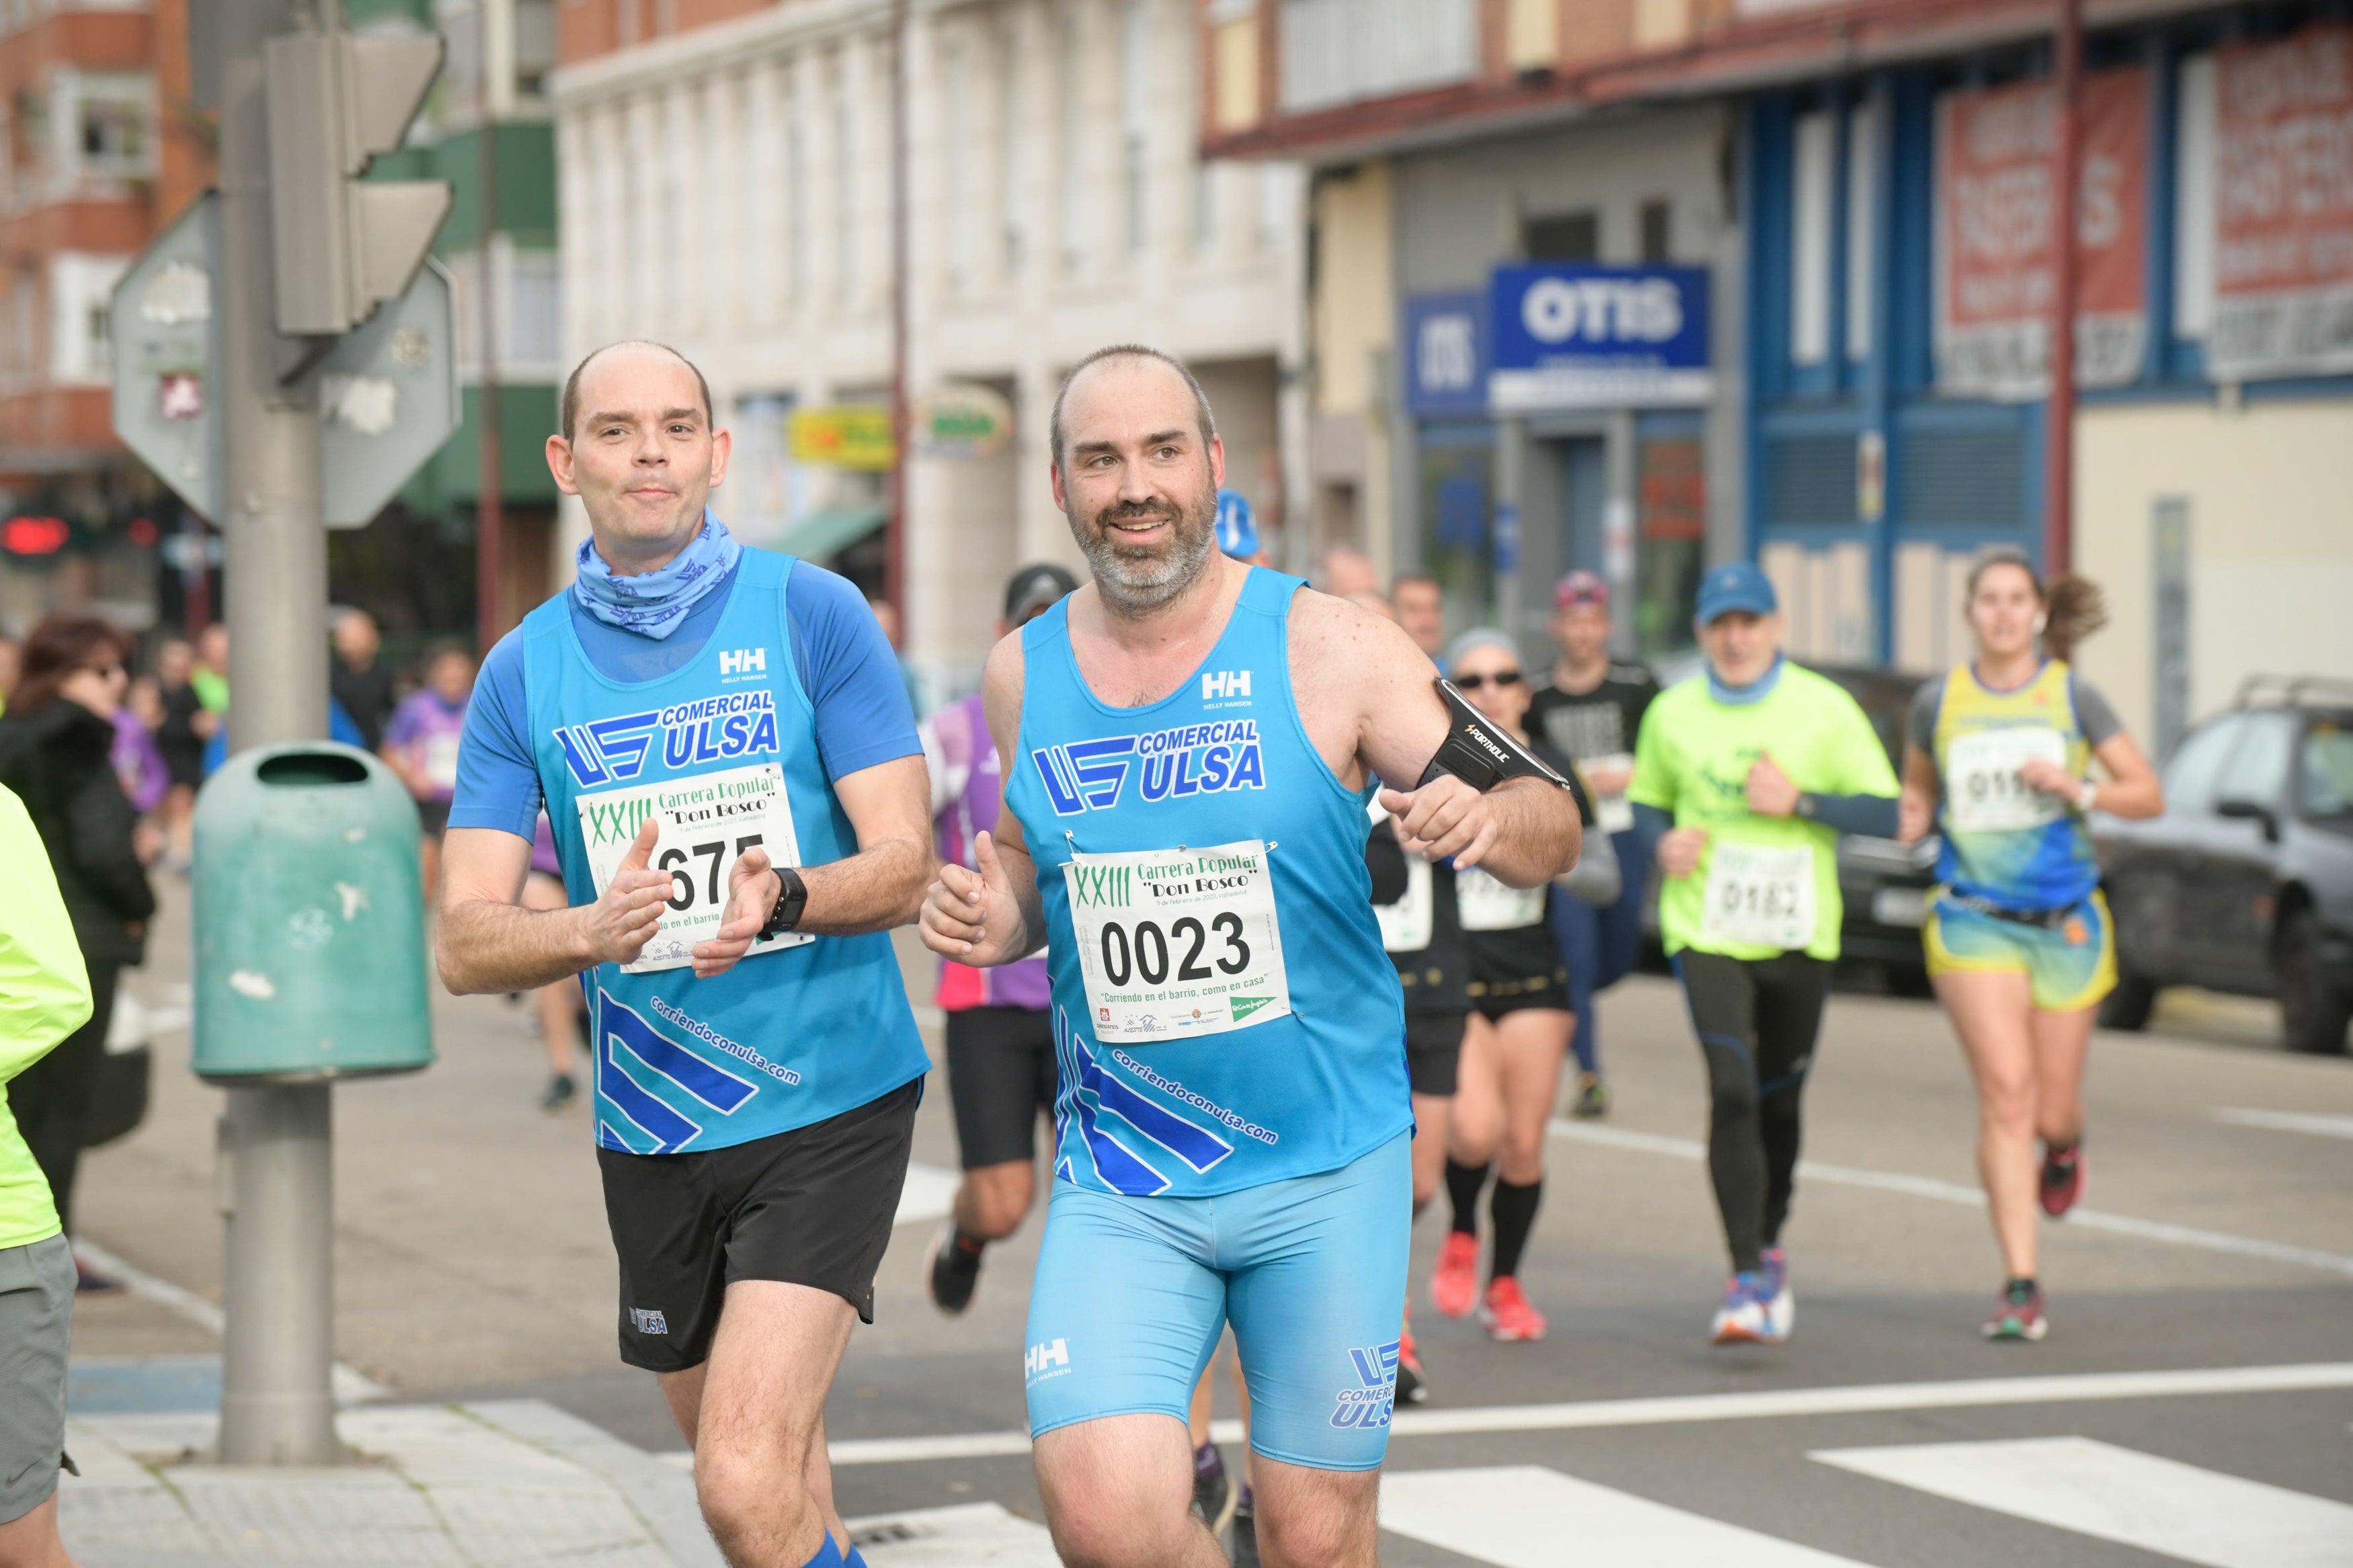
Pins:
<point x="2003" y="842"/>
<point x="724" y="749"/>
<point x="1224" y="1013"/>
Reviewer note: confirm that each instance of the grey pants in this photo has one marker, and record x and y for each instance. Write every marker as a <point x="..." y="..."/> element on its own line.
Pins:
<point x="36" y="1293"/>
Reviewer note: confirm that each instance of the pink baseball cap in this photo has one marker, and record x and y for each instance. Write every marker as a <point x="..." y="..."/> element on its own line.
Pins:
<point x="1581" y="588"/>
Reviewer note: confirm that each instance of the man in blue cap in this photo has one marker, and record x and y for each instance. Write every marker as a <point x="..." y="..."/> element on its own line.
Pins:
<point x="1745" y="776"/>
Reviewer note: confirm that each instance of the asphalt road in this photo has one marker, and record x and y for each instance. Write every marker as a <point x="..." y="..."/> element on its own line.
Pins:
<point x="2194" y="1403"/>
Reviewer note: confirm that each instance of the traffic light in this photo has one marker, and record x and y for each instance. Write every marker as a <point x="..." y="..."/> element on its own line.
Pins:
<point x="341" y="245"/>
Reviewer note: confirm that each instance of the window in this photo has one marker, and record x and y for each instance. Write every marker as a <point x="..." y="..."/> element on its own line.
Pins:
<point x="1809" y="238"/>
<point x="2190" y="779"/>
<point x="1278" y="197"/>
<point x="796" y="199"/>
<point x="2327" y="770"/>
<point x="1205" y="205"/>
<point x="1862" y="223"/>
<point x="1562" y="236"/>
<point x="1137" y="70"/>
<point x="1009" y="144"/>
<point x="1657" y="232"/>
<point x="108" y="119"/>
<point x="2193" y="199"/>
<point x="2256" y="770"/>
<point x="1071" y="135"/>
<point x="534" y="45"/>
<point x="1343" y="51"/>
<point x="845" y="182"/>
<point x="81" y="289"/>
<point x="533" y="316"/>
<point x="956" y="66"/>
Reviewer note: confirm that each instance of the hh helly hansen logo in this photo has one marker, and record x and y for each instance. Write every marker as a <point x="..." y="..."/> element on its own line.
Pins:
<point x="740" y="724"/>
<point x="648" y="1321"/>
<point x="1369" y="1402"/>
<point x="1192" y="759"/>
<point x="1225" y="683"/>
<point x="742" y="661"/>
<point x="1051" y="1359"/>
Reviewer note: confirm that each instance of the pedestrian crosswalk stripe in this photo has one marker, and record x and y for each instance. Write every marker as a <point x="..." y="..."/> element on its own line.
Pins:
<point x="980" y="1532"/>
<point x="1525" y="1516"/>
<point x="2115" y="1494"/>
<point x="2287" y="1121"/>
<point x="929" y="1193"/>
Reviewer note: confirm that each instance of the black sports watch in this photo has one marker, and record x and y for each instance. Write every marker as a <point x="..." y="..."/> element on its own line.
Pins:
<point x="792" y="897"/>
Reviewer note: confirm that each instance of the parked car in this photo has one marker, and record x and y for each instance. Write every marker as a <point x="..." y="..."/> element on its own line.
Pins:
<point x="1883" y="882"/>
<point x="2245" y="883"/>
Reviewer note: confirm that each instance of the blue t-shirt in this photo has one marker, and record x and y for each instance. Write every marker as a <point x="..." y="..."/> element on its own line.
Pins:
<point x="844" y="662"/>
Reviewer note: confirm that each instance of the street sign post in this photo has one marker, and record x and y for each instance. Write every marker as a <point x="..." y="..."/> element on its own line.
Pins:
<point x="238" y="383"/>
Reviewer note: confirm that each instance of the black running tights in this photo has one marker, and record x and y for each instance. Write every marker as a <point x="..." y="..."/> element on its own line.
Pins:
<point x="1757" y="1021"/>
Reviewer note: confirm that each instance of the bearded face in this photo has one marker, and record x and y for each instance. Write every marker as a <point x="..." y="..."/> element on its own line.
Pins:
<point x="1146" y="552"/>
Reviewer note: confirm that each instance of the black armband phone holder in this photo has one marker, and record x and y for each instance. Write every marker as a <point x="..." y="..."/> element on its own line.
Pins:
<point x="1477" y="752"/>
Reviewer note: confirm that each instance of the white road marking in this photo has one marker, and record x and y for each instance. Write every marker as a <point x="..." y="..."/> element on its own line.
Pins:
<point x="1970" y="1198"/>
<point x="350" y="1386"/>
<point x="1678" y="1409"/>
<point x="2287" y="1121"/>
<point x="2117" y="1494"/>
<point x="1525" y="1516"/>
<point x="951" y="1537"/>
<point x="930" y="1194"/>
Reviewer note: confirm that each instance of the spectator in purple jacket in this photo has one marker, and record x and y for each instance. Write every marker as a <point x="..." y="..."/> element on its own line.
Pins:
<point x="1000" y="1033"/>
<point x="421" y="744"/>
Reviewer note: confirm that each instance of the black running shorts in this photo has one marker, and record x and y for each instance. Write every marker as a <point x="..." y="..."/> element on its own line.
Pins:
<point x="1433" y="1050"/>
<point x="1000" y="1075"/>
<point x="812" y="1207"/>
<point x="1516" y="969"/>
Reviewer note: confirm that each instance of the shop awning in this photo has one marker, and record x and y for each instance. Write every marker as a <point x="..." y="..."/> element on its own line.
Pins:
<point x="822" y="535"/>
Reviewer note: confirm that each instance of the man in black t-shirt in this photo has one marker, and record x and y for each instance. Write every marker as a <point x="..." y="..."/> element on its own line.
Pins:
<point x="1590" y="711"/>
<point x="360" y="680"/>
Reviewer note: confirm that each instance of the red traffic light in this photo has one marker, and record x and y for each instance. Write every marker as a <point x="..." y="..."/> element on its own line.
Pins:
<point x="34" y="535"/>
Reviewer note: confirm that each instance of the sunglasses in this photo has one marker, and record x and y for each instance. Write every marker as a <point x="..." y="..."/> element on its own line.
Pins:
<point x="1473" y="683"/>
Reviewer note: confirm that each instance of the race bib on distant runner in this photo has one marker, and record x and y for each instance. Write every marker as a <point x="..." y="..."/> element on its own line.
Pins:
<point x="1612" y="813"/>
<point x="441" y="761"/>
<point x="1984" y="792"/>
<point x="1406" y="925"/>
<point x="1177" y="942"/>
<point x="1490" y="905"/>
<point x="708" y="821"/>
<point x="1758" y="897"/>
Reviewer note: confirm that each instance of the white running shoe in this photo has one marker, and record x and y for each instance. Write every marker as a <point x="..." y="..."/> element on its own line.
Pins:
<point x="1780" y="1301"/>
<point x="1741" y="1320"/>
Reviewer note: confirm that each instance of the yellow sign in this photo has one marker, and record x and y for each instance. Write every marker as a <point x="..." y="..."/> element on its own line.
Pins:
<point x="847" y="436"/>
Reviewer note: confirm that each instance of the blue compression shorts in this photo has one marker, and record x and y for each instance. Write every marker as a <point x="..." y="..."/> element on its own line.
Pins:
<point x="1133" y="1293"/>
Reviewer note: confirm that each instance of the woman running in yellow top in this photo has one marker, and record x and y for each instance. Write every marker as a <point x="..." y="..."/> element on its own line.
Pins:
<point x="2019" y="938"/>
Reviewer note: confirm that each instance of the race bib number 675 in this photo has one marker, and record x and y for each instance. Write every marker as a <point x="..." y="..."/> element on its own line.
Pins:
<point x="1177" y="942"/>
<point x="708" y="822"/>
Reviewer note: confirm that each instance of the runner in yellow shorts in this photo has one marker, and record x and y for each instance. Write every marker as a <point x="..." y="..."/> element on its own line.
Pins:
<point x="2020" y="942"/>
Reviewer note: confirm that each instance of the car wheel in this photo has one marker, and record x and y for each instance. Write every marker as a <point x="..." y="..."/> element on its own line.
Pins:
<point x="2313" y="1013"/>
<point x="2128" y="1006"/>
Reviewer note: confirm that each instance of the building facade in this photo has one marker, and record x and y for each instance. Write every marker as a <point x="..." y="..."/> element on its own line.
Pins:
<point x="101" y="147"/>
<point x="726" y="188"/>
<point x="1869" y="184"/>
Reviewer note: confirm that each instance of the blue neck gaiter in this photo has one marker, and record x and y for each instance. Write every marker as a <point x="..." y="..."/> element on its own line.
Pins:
<point x="1755" y="690"/>
<point x="653" y="604"/>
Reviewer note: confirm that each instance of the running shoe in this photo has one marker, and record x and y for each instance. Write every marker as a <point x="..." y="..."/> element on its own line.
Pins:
<point x="2062" y="1180"/>
<point x="1241" y="1546"/>
<point x="1742" y="1319"/>
<point x="1454" y="1283"/>
<point x="1780" y="1301"/>
<point x="1410" y="1385"/>
<point x="953" y="1270"/>
<point x="1592" y="1095"/>
<point x="88" y="1281"/>
<point x="1507" y="1314"/>
<point x="2018" y="1314"/>
<point x="1214" y="1492"/>
<point x="560" y="1093"/>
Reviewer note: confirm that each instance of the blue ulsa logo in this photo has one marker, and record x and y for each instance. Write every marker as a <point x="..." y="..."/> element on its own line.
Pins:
<point x="1375" y="1396"/>
<point x="1192" y="759"/>
<point x="742" y="723"/>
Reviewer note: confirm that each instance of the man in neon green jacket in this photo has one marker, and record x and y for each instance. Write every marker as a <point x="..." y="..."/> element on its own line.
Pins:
<point x="43" y="997"/>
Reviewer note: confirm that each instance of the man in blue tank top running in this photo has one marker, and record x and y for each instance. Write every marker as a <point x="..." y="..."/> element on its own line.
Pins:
<point x="727" y="757"/>
<point x="1189" y="745"/>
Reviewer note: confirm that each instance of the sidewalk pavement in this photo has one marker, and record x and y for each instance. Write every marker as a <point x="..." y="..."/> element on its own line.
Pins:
<point x="513" y="1483"/>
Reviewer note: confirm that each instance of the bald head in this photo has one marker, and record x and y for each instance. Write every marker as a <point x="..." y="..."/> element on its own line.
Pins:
<point x="1128" y="356"/>
<point x="619" y="358"/>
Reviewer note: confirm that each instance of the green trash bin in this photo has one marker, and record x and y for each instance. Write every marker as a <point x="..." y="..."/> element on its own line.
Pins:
<point x="310" y="917"/>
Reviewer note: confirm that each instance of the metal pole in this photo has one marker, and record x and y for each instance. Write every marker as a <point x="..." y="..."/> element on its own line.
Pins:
<point x="2059" y="412"/>
<point x="894" y="537"/>
<point x="279" y="1287"/>
<point x="490" y="497"/>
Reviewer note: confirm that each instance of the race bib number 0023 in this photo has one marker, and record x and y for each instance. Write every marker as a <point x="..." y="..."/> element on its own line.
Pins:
<point x="1177" y="942"/>
<point x="1986" y="791"/>
<point x="1758" y="897"/>
<point x="708" y="821"/>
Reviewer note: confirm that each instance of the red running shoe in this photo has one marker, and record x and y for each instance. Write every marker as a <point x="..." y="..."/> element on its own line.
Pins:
<point x="1507" y="1313"/>
<point x="1454" y="1283"/>
<point x="2063" y="1178"/>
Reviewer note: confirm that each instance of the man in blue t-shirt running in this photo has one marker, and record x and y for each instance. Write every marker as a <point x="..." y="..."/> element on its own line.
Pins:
<point x="726" y="753"/>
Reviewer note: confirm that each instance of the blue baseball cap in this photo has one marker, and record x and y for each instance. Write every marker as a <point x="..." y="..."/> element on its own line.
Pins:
<point x="1739" y="586"/>
<point x="1237" y="527"/>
